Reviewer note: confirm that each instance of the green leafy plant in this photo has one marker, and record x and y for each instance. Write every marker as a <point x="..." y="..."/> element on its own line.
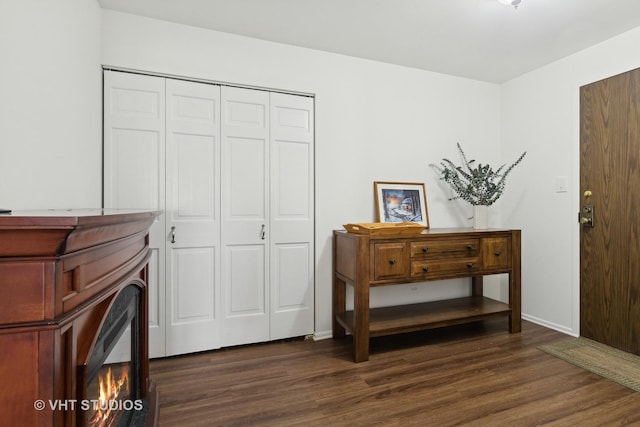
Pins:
<point x="477" y="184"/>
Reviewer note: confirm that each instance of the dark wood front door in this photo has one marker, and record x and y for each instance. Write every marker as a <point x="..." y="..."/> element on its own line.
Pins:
<point x="610" y="187"/>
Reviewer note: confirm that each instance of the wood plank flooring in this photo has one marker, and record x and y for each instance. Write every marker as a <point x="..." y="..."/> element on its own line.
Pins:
<point x="476" y="375"/>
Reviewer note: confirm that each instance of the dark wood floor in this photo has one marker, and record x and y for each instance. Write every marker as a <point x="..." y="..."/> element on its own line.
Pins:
<point x="469" y="375"/>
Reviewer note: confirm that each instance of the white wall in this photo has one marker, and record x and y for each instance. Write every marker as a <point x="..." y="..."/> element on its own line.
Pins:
<point x="374" y="121"/>
<point x="540" y="114"/>
<point x="50" y="104"/>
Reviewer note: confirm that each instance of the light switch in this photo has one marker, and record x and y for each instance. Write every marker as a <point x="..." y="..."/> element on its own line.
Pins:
<point x="562" y="184"/>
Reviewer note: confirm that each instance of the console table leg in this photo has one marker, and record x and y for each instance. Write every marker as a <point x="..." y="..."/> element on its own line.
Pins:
<point x="361" y="348"/>
<point x="339" y="306"/>
<point x="361" y="322"/>
<point x="477" y="286"/>
<point x="515" y="320"/>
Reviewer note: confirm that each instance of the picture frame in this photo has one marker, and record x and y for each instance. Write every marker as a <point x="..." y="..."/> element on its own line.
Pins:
<point x="401" y="202"/>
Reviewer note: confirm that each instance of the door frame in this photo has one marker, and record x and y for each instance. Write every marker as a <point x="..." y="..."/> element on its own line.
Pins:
<point x="575" y="207"/>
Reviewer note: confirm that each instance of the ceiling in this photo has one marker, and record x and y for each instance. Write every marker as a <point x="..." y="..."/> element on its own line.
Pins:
<point x="477" y="39"/>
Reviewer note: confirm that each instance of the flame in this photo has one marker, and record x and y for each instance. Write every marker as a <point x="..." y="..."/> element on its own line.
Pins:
<point x="111" y="387"/>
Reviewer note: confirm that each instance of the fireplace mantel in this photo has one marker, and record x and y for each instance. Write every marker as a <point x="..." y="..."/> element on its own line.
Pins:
<point x="59" y="272"/>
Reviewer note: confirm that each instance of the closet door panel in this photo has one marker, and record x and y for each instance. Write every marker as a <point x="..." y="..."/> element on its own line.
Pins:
<point x="291" y="279"/>
<point x="248" y="297"/>
<point x="246" y="307"/>
<point x="245" y="216"/>
<point x="292" y="221"/>
<point x="193" y="196"/>
<point x="193" y="216"/>
<point x="133" y="158"/>
<point x="245" y="162"/>
<point x="192" y="310"/>
<point x="292" y="202"/>
<point x="134" y="175"/>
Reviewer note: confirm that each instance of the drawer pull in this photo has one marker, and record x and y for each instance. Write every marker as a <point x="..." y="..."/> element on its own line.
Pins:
<point x="425" y="250"/>
<point x="470" y="247"/>
<point x="425" y="269"/>
<point x="470" y="264"/>
<point x="392" y="261"/>
<point x="497" y="253"/>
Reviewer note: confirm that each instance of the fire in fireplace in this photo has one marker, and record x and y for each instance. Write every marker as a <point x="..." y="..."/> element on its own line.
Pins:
<point x="112" y="387"/>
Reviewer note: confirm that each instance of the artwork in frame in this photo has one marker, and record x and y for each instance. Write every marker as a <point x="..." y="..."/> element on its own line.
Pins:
<point x="401" y="202"/>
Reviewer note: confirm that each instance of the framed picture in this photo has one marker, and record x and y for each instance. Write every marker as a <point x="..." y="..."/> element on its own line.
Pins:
<point x="401" y="202"/>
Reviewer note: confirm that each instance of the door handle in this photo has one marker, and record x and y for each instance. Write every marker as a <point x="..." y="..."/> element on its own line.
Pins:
<point x="172" y="234"/>
<point x="262" y="232"/>
<point x="586" y="216"/>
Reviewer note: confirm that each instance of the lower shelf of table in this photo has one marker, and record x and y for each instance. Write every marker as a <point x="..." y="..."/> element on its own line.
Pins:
<point x="428" y="315"/>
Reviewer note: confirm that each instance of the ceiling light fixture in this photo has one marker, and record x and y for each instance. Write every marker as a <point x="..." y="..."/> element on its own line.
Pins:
<point x="513" y="3"/>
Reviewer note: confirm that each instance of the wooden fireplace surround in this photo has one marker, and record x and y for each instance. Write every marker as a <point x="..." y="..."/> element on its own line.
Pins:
<point x="59" y="273"/>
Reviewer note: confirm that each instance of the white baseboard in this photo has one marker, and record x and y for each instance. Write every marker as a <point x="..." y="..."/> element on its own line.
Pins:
<point x="550" y="325"/>
<point x="322" y="335"/>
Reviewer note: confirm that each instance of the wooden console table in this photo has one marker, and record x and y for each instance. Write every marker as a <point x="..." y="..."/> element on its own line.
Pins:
<point x="366" y="261"/>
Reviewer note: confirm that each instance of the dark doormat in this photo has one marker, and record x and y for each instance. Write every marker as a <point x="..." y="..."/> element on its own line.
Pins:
<point x="608" y="362"/>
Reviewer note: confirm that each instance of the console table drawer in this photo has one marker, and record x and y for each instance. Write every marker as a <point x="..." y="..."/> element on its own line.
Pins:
<point x="496" y="252"/>
<point x="437" y="248"/>
<point x="426" y="268"/>
<point x="390" y="261"/>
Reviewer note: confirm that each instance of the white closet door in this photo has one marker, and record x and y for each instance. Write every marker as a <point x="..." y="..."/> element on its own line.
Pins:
<point x="291" y="230"/>
<point x="134" y="173"/>
<point x="245" y="232"/>
<point x="192" y="216"/>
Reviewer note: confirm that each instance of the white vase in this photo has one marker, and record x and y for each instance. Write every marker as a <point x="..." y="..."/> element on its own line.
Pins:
<point x="480" y="217"/>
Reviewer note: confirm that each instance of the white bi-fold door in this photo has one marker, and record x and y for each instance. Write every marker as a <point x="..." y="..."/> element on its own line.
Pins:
<point x="267" y="216"/>
<point x="245" y="216"/>
<point x="232" y="169"/>
<point x="291" y="200"/>
<point x="133" y="177"/>
<point x="162" y="151"/>
<point x="192" y="217"/>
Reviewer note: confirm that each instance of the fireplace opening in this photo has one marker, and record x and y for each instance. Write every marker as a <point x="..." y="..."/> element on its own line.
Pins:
<point x="111" y="392"/>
